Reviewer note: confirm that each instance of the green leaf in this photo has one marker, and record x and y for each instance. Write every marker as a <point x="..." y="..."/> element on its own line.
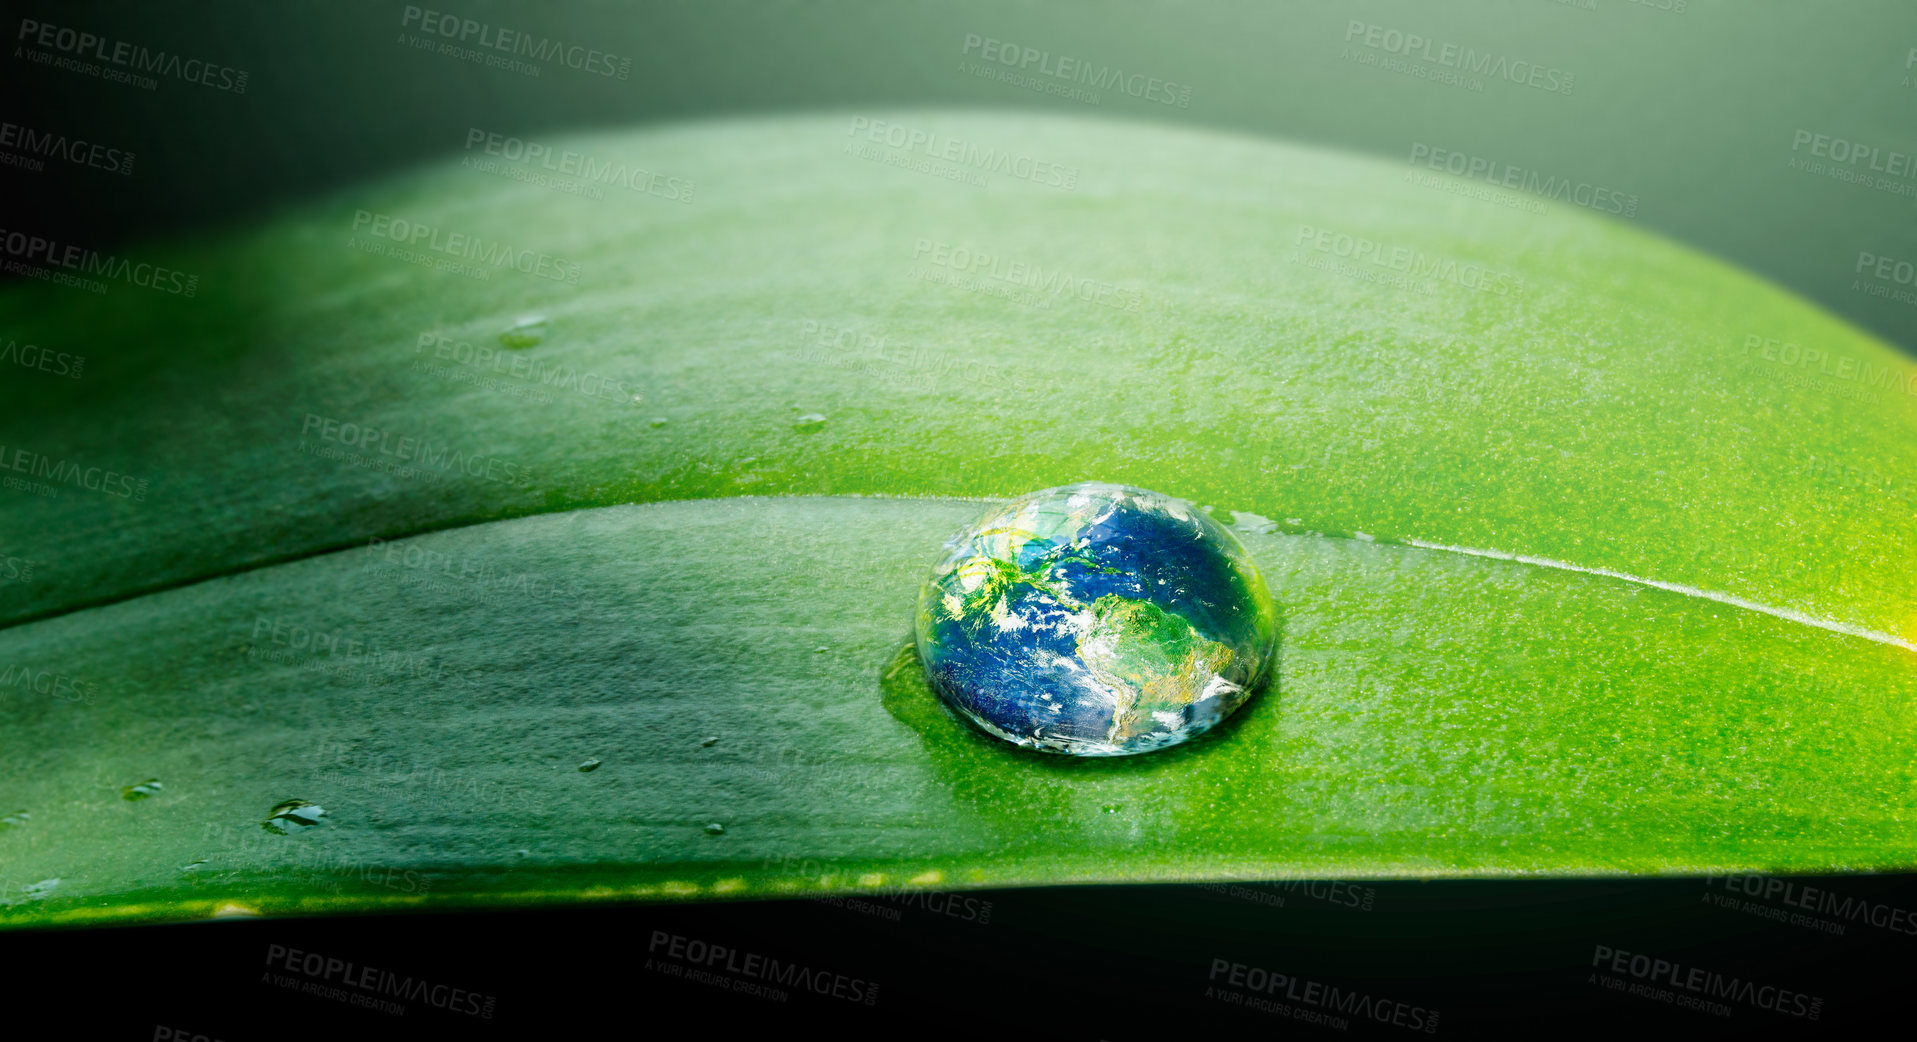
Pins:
<point x="1555" y="386"/>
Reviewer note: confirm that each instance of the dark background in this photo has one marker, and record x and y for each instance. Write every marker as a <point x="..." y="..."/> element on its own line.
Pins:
<point x="1117" y="963"/>
<point x="1691" y="110"/>
<point x="1694" y="110"/>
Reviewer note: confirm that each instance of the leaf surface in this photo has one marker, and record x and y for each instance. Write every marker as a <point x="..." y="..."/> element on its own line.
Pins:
<point x="1279" y="333"/>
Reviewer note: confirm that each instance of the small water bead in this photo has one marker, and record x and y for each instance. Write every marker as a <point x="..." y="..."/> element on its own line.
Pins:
<point x="149" y="787"/>
<point x="527" y="332"/>
<point x="1095" y="620"/>
<point x="657" y="421"/>
<point x="589" y="766"/>
<point x="715" y="829"/>
<point x="710" y="742"/>
<point x="15" y="821"/>
<point x="810" y="423"/>
<point x="293" y="816"/>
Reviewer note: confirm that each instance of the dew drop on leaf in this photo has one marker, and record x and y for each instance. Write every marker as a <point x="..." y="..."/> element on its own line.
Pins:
<point x="293" y="816"/>
<point x="710" y="742"/>
<point x="715" y="829"/>
<point x="810" y="423"/>
<point x="149" y="787"/>
<point x="1096" y="620"/>
<point x="589" y="766"/>
<point x="15" y="821"/>
<point x="527" y="332"/>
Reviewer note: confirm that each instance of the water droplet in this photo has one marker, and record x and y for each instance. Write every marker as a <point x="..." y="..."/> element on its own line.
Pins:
<point x="36" y="891"/>
<point x="15" y="821"/>
<point x="526" y="332"/>
<point x="1363" y="538"/>
<point x="1111" y="808"/>
<point x="658" y="422"/>
<point x="715" y="829"/>
<point x="191" y="865"/>
<point x="149" y="787"/>
<point x="820" y="650"/>
<point x="1096" y="620"/>
<point x="293" y="816"/>
<point x="810" y="423"/>
<point x="710" y="742"/>
<point x="589" y="766"/>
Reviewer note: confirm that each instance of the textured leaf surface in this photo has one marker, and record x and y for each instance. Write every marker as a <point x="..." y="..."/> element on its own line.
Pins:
<point x="1434" y="714"/>
<point x="1553" y="385"/>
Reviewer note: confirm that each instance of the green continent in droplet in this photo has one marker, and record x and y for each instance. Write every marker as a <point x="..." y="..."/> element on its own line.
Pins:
<point x="1151" y="658"/>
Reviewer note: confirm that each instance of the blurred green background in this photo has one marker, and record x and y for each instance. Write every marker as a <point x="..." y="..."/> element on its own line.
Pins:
<point x="1692" y="106"/>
